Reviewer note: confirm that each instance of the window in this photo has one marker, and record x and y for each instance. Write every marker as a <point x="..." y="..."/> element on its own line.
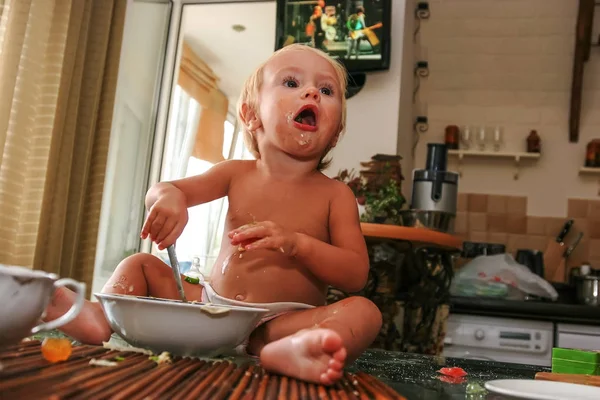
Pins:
<point x="201" y="237"/>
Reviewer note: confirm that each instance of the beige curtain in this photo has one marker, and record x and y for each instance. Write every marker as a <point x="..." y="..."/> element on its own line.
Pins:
<point x="199" y="81"/>
<point x="58" y="72"/>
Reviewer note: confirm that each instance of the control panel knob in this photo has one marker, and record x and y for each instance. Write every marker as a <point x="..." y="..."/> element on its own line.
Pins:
<point x="479" y="334"/>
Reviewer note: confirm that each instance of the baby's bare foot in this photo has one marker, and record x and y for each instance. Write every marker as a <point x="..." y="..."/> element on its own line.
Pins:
<point x="315" y="355"/>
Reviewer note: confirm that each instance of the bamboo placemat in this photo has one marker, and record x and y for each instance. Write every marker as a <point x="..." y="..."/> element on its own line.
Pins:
<point x="26" y="374"/>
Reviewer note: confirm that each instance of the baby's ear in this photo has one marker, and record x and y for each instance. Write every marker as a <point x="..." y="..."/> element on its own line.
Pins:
<point x="250" y="118"/>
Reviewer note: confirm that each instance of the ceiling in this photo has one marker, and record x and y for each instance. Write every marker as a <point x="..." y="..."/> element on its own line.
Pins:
<point x="231" y="55"/>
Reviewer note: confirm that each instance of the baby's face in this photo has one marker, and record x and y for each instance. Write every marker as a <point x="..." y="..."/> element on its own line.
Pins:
<point x="300" y="104"/>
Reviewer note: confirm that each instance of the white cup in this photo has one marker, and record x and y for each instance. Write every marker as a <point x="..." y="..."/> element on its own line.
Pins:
<point x="24" y="296"/>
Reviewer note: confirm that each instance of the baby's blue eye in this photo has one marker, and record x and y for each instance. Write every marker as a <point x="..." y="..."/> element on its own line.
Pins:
<point x="326" y="91"/>
<point x="290" y="83"/>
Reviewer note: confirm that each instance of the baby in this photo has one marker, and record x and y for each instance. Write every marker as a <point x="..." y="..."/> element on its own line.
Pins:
<point x="290" y="230"/>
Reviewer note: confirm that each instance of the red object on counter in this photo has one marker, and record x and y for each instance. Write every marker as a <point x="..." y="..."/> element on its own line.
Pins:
<point x="454" y="380"/>
<point x="455" y="372"/>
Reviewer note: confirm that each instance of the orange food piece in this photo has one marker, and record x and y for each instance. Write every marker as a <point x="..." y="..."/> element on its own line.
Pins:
<point x="56" y="349"/>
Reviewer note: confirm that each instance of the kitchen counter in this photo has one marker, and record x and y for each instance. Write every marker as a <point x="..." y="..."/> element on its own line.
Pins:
<point x="558" y="312"/>
<point x="415" y="376"/>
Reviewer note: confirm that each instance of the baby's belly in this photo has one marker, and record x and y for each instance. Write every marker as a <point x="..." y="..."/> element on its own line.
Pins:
<point x="266" y="278"/>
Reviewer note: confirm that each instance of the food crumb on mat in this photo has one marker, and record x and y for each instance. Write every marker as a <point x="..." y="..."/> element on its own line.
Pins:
<point x="103" y="363"/>
<point x="117" y="347"/>
<point x="162" y="358"/>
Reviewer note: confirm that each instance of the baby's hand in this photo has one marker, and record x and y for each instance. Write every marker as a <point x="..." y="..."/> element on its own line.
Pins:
<point x="264" y="235"/>
<point x="166" y="220"/>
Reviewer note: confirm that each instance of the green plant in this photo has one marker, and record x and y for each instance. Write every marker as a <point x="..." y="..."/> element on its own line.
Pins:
<point x="383" y="203"/>
<point x="378" y="190"/>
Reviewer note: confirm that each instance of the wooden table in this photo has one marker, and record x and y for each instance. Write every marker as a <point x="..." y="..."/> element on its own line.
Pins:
<point x="25" y="374"/>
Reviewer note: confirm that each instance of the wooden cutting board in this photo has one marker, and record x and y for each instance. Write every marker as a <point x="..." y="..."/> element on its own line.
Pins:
<point x="26" y="374"/>
<point x="590" y="380"/>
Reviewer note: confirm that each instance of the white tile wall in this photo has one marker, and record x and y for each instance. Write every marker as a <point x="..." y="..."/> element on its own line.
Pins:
<point x="509" y="62"/>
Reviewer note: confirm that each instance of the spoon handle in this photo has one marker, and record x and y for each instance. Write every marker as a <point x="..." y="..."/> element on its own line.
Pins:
<point x="176" y="271"/>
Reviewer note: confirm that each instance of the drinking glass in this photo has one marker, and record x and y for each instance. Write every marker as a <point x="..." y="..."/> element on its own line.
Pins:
<point x="480" y="138"/>
<point x="498" y="138"/>
<point x="466" y="136"/>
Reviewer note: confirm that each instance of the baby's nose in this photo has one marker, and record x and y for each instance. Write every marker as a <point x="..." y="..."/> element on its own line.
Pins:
<point x="312" y="93"/>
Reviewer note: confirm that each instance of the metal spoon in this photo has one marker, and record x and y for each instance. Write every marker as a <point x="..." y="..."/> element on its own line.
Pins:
<point x="176" y="271"/>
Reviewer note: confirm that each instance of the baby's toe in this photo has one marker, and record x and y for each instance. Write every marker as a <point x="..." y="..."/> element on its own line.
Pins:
<point x="340" y="355"/>
<point x="335" y="364"/>
<point x="324" y="378"/>
<point x="331" y="342"/>
<point x="333" y="375"/>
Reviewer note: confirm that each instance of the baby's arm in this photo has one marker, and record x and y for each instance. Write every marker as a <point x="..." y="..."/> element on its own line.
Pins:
<point x="344" y="263"/>
<point x="167" y="202"/>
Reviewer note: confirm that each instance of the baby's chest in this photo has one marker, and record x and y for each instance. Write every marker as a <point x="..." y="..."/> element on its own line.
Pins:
<point x="303" y="212"/>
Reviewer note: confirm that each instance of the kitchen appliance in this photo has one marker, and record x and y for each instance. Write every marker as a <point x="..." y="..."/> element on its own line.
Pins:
<point x="499" y="339"/>
<point x="434" y="188"/>
<point x="476" y="249"/>
<point x="437" y="220"/>
<point x="532" y="259"/>
<point x="588" y="289"/>
<point x="572" y="336"/>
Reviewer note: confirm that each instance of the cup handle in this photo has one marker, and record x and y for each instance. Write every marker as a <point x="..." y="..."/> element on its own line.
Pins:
<point x="79" y="289"/>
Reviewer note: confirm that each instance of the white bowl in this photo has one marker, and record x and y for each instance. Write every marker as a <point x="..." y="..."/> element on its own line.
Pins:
<point x="183" y="329"/>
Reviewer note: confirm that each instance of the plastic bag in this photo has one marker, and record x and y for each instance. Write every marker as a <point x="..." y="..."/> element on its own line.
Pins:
<point x="499" y="276"/>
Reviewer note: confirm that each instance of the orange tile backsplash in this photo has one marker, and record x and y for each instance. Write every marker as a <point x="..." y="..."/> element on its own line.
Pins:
<point x="504" y="219"/>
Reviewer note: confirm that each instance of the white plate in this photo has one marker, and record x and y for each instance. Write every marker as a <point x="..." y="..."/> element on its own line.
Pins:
<point x="542" y="390"/>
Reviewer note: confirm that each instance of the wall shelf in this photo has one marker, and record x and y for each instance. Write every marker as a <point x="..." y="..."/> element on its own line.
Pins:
<point x="515" y="156"/>
<point x="589" y="171"/>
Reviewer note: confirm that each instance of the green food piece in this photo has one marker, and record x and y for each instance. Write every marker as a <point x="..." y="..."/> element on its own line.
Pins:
<point x="153" y="358"/>
<point x="192" y="280"/>
<point x="119" y="358"/>
<point x="474" y="388"/>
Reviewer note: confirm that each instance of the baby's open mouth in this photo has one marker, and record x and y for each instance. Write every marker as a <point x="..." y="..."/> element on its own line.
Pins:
<point x="307" y="116"/>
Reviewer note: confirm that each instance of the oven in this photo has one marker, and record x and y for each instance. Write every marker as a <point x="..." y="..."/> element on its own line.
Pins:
<point x="499" y="339"/>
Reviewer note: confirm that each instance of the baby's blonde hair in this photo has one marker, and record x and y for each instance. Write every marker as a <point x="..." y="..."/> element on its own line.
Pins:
<point x="251" y="89"/>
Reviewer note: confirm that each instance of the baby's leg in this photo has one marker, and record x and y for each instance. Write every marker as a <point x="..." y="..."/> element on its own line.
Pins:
<point x="141" y="274"/>
<point x="314" y="345"/>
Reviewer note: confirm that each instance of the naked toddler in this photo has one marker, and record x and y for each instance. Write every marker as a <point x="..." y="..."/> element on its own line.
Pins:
<point x="290" y="231"/>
